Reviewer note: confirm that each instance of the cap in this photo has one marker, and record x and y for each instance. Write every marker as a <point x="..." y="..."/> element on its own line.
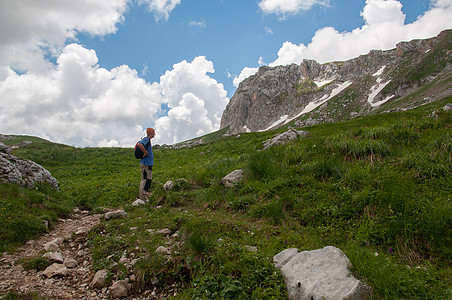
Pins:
<point x="150" y="131"/>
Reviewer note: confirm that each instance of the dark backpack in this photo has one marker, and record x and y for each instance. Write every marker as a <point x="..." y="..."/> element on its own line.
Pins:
<point x="138" y="153"/>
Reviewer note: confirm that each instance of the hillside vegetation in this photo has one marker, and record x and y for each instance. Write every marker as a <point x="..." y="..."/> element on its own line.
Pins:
<point x="377" y="187"/>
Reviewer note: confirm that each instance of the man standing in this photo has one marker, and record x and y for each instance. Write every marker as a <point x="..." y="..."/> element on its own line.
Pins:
<point x="146" y="163"/>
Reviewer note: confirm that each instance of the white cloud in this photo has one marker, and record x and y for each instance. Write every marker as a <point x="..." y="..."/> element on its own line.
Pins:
<point x="283" y="7"/>
<point x="161" y="8"/>
<point x="77" y="102"/>
<point x="73" y="100"/>
<point x="29" y="28"/>
<point x="196" y="101"/>
<point x="384" y="28"/>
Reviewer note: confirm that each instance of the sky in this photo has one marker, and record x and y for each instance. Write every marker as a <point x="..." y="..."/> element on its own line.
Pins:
<point x="97" y="73"/>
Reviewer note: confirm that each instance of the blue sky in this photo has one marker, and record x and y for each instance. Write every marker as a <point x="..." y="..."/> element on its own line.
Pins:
<point x="98" y="72"/>
<point x="233" y="34"/>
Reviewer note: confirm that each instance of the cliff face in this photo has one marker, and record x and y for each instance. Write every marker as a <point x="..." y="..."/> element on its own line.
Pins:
<point x="410" y="75"/>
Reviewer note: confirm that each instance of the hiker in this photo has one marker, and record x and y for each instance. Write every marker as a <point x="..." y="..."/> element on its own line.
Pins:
<point x="146" y="164"/>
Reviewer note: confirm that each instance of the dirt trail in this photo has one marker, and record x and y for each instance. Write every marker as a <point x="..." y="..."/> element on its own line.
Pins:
<point x="74" y="232"/>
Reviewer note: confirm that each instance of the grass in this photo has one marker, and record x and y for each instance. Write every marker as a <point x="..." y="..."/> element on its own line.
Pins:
<point x="378" y="187"/>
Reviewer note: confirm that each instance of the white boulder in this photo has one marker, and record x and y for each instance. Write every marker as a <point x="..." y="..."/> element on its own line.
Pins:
<point x="319" y="274"/>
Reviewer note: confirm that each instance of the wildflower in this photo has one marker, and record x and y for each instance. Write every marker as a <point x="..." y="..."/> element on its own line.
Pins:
<point x="390" y="250"/>
<point x="376" y="253"/>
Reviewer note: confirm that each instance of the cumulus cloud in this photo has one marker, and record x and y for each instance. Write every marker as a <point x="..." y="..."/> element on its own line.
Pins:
<point x="78" y="102"/>
<point x="384" y="28"/>
<point x="196" y="101"/>
<point x="283" y="7"/>
<point x="72" y="100"/>
<point x="30" y="29"/>
<point x="161" y="8"/>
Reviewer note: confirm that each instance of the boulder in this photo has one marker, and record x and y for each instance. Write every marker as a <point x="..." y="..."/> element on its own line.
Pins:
<point x="22" y="172"/>
<point x="319" y="274"/>
<point x="232" y="178"/>
<point x="285" y="137"/>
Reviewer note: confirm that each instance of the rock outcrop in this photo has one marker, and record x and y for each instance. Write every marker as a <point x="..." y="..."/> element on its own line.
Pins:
<point x="22" y="172"/>
<point x="317" y="93"/>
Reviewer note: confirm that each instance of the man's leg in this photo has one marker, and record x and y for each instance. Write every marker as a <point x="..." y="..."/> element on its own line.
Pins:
<point x="146" y="179"/>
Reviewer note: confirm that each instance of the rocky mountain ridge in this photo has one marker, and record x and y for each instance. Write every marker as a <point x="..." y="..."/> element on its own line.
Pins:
<point x="412" y="74"/>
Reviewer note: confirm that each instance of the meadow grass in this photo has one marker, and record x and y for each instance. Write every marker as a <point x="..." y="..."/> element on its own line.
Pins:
<point x="378" y="187"/>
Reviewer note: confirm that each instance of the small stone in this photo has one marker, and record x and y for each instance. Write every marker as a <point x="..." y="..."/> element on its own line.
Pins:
<point x="162" y="250"/>
<point x="138" y="202"/>
<point x="70" y="263"/>
<point x="56" y="270"/>
<point x="119" y="289"/>
<point x="99" y="280"/>
<point x="54" y="256"/>
<point x="168" y="185"/>
<point x="115" y="214"/>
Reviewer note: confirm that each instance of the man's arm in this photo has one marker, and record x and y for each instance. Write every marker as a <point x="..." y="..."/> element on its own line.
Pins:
<point x="141" y="146"/>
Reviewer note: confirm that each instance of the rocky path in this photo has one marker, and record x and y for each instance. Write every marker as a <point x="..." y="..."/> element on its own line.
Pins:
<point x="69" y="239"/>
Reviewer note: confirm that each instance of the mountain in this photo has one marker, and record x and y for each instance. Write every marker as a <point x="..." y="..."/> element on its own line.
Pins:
<point x="412" y="74"/>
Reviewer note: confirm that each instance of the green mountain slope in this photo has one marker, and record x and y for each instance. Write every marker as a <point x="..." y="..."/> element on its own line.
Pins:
<point x="377" y="187"/>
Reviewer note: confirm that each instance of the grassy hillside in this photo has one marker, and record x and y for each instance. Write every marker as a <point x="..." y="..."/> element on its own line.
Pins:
<point x="378" y="187"/>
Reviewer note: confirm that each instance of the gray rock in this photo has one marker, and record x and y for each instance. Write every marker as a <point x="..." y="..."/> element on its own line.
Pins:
<point x="285" y="137"/>
<point x="56" y="270"/>
<point x="168" y="185"/>
<point x="320" y="274"/>
<point x="70" y="263"/>
<point x="163" y="250"/>
<point x="22" y="172"/>
<point x="165" y="231"/>
<point x="138" y="202"/>
<point x="232" y="178"/>
<point x="283" y="257"/>
<point x="115" y="214"/>
<point x="119" y="289"/>
<point x="54" y="256"/>
<point x="100" y="279"/>
<point x="53" y="245"/>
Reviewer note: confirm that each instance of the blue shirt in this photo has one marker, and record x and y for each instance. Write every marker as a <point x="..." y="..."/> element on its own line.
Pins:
<point x="148" y="160"/>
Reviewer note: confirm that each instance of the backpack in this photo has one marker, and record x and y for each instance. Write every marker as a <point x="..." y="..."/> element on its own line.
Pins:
<point x="138" y="153"/>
